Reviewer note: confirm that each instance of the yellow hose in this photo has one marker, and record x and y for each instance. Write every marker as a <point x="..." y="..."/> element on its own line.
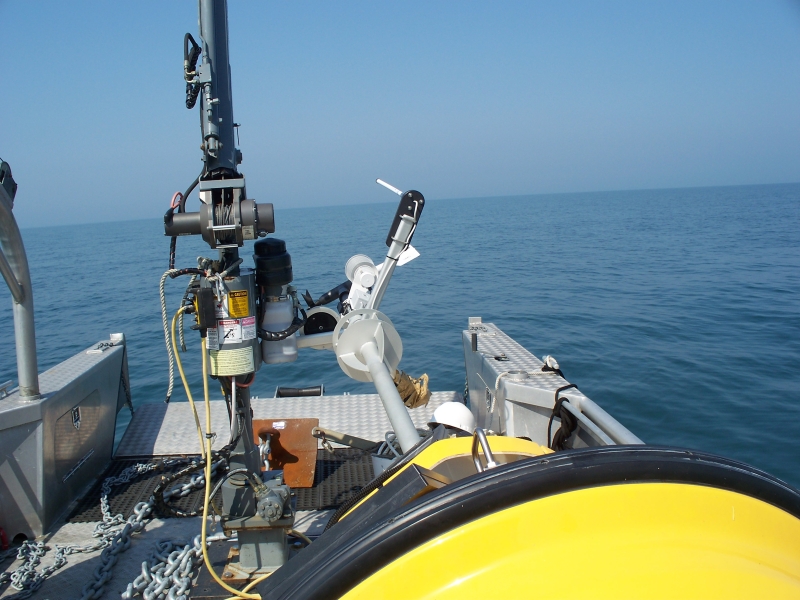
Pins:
<point x="253" y="583"/>
<point x="207" y="499"/>
<point x="185" y="382"/>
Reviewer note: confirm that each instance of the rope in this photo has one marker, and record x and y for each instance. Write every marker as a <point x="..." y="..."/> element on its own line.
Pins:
<point x="414" y="392"/>
<point x="172" y="274"/>
<point x="163" y="297"/>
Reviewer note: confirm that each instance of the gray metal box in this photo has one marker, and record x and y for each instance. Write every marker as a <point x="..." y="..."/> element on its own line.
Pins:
<point x="51" y="449"/>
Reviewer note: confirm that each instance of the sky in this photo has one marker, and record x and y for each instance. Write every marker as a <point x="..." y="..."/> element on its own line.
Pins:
<point x="456" y="99"/>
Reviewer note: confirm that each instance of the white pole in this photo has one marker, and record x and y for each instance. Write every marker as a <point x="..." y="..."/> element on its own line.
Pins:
<point x="397" y="412"/>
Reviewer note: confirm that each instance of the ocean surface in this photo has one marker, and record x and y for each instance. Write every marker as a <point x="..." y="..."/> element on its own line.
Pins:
<point x="678" y="311"/>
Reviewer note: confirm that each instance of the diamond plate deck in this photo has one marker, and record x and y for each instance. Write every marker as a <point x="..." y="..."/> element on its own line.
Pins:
<point x="492" y="341"/>
<point x="168" y="429"/>
<point x="337" y="477"/>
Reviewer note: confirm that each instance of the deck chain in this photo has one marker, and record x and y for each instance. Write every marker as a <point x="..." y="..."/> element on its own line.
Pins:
<point x="113" y="535"/>
<point x="169" y="571"/>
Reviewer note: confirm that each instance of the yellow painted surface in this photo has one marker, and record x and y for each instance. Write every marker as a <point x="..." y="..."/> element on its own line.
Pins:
<point x="650" y="540"/>
<point x="462" y="446"/>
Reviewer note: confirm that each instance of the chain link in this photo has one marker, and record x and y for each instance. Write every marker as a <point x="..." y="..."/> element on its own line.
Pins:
<point x="113" y="535"/>
<point x="169" y="571"/>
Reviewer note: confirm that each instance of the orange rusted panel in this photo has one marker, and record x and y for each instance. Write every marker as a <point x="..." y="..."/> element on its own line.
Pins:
<point x="293" y="448"/>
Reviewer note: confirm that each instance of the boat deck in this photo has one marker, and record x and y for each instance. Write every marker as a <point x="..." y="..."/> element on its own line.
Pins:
<point x="169" y="429"/>
<point x="160" y="430"/>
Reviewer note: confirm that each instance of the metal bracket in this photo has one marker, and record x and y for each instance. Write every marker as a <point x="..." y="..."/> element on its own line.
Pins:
<point x="221" y="184"/>
<point x="480" y="436"/>
<point x="4" y="387"/>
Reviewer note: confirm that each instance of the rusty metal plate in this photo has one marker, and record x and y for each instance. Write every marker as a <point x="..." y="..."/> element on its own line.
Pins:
<point x="293" y="448"/>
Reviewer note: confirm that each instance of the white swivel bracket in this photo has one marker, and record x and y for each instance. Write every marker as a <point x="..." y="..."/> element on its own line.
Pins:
<point x="368" y="348"/>
<point x="363" y="274"/>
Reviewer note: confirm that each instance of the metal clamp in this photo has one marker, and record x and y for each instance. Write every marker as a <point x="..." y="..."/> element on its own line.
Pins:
<point x="4" y="388"/>
<point x="480" y="436"/>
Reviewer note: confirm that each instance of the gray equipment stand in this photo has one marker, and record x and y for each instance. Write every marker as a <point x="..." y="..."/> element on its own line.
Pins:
<point x="262" y="544"/>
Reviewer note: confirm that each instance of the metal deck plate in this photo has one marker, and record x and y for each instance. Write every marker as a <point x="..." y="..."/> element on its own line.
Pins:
<point x="168" y="429"/>
<point x="124" y="497"/>
<point x="492" y="341"/>
<point x="337" y="477"/>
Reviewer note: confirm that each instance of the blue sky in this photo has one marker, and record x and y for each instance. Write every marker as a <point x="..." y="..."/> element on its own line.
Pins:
<point x="456" y="99"/>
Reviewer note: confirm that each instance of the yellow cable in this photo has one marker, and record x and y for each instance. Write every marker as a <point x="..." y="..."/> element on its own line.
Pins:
<point x="255" y="582"/>
<point x="207" y="499"/>
<point x="186" y="383"/>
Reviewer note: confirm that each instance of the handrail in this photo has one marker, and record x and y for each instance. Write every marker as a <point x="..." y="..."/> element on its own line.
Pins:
<point x="14" y="266"/>
<point x="8" y="274"/>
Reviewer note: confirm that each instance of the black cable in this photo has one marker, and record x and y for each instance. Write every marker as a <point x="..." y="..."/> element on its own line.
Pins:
<point x="167" y="481"/>
<point x="195" y="54"/>
<point x="546" y="369"/>
<point x="195" y="465"/>
<point x="173" y="242"/>
<point x="567" y="418"/>
<point x="190" y="66"/>
<point x="188" y="271"/>
<point x="189" y="191"/>
<point x="277" y="336"/>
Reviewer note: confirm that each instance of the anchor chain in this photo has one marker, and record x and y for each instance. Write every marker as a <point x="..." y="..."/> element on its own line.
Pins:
<point x="113" y="535"/>
<point x="169" y="571"/>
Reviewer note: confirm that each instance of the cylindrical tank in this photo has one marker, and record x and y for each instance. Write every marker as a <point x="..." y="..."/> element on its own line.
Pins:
<point x="277" y="315"/>
<point x="233" y="346"/>
<point x="273" y="275"/>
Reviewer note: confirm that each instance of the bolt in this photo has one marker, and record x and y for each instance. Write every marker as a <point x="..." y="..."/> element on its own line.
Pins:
<point x="227" y="574"/>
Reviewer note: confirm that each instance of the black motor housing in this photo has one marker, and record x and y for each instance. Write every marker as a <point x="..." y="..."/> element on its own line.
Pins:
<point x="273" y="263"/>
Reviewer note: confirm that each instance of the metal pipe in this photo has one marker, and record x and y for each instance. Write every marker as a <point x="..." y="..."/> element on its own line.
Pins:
<point x="397" y="412"/>
<point x="608" y="424"/>
<point x="399" y="242"/>
<point x="389" y="265"/>
<point x="343" y="438"/>
<point x="479" y="435"/>
<point x="24" y="330"/>
<point x="11" y="280"/>
<point x="216" y="101"/>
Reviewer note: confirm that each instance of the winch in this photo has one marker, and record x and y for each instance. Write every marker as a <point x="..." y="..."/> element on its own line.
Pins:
<point x="249" y="316"/>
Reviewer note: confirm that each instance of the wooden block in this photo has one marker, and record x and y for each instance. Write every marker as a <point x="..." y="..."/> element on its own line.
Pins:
<point x="292" y="448"/>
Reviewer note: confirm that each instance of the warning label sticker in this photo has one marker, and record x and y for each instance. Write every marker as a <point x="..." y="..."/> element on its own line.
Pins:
<point x="212" y="338"/>
<point x="248" y="328"/>
<point x="238" y="305"/>
<point x="221" y="308"/>
<point x="232" y="362"/>
<point x="230" y="331"/>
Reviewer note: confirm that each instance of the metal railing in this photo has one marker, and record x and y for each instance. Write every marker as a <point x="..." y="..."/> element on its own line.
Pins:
<point x="14" y="268"/>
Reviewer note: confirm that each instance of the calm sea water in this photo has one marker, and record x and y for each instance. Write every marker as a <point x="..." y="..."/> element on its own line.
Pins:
<point x="676" y="310"/>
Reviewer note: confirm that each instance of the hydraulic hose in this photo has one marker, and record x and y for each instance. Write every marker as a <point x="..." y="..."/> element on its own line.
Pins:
<point x="189" y="191"/>
<point x="178" y="361"/>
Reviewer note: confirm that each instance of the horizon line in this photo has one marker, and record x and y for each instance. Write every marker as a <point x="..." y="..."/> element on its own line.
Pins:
<point x="503" y="196"/>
